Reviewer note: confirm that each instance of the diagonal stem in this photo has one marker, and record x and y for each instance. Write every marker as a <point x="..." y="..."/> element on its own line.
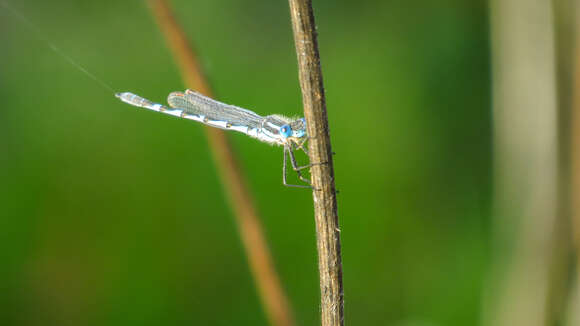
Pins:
<point x="324" y="192"/>
<point x="271" y="293"/>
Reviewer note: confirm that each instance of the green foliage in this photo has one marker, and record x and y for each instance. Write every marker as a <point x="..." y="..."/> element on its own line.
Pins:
<point x="115" y="216"/>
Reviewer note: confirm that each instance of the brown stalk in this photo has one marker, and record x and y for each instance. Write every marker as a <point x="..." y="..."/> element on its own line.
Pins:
<point x="320" y="152"/>
<point x="574" y="306"/>
<point x="526" y="161"/>
<point x="271" y="293"/>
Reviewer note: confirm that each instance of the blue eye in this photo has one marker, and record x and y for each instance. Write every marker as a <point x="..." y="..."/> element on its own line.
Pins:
<point x="286" y="131"/>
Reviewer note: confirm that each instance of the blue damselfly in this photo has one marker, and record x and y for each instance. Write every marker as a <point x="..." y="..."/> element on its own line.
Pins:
<point x="272" y="129"/>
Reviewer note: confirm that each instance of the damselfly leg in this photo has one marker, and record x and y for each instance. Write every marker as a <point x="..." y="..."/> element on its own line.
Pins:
<point x="288" y="150"/>
<point x="301" y="145"/>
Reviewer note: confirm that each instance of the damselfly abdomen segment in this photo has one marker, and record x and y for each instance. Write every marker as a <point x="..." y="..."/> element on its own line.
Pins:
<point x="273" y="129"/>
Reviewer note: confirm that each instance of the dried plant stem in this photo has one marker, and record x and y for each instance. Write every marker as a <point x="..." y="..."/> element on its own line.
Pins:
<point x="525" y="163"/>
<point x="320" y="152"/>
<point x="574" y="303"/>
<point x="271" y="293"/>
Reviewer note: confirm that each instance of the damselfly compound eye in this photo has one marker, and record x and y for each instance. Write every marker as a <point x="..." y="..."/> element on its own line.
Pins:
<point x="286" y="131"/>
<point x="302" y="130"/>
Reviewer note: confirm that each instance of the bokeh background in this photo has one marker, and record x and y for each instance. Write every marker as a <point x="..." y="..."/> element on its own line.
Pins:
<point x="115" y="216"/>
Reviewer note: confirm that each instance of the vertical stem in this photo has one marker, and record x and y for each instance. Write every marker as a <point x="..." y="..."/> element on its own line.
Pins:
<point x="573" y="317"/>
<point x="562" y="280"/>
<point x="525" y="161"/>
<point x="271" y="293"/>
<point x="320" y="152"/>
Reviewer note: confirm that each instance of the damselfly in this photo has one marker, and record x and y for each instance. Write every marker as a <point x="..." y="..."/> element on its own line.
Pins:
<point x="273" y="129"/>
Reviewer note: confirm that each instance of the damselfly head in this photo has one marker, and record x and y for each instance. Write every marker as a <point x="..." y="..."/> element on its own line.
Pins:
<point x="297" y="128"/>
<point x="293" y="130"/>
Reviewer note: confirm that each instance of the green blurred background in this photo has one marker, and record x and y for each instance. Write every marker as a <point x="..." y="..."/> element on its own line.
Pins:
<point x="115" y="216"/>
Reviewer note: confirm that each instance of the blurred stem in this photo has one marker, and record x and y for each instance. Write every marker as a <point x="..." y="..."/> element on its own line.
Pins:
<point x="320" y="153"/>
<point x="561" y="298"/>
<point x="271" y="293"/>
<point x="526" y="189"/>
<point x="573" y="317"/>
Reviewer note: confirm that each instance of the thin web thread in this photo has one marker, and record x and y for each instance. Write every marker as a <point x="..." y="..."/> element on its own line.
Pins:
<point x="52" y="46"/>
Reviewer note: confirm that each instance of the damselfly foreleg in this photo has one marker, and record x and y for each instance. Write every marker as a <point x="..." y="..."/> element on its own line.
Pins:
<point x="295" y="166"/>
<point x="293" y="161"/>
<point x="301" y="145"/>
